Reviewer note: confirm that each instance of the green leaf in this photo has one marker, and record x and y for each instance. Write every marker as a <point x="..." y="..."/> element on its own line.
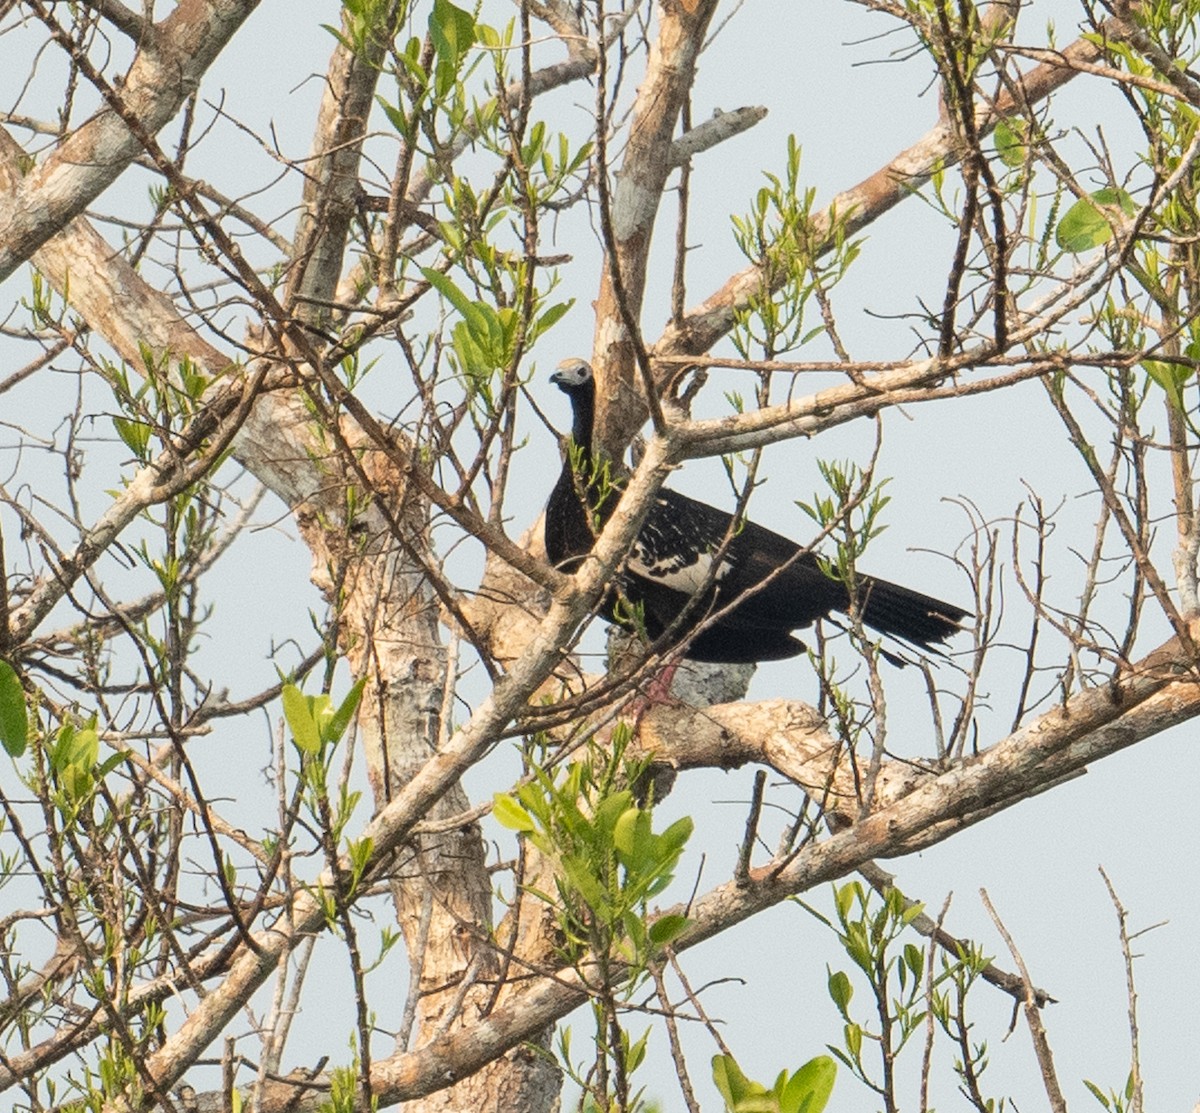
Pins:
<point x="578" y="871"/>
<point x="109" y="764"/>
<point x="508" y="813"/>
<point x="844" y="897"/>
<point x="473" y="358"/>
<point x="614" y="818"/>
<point x="452" y="32"/>
<point x="675" y="836"/>
<point x="340" y="719"/>
<point x="72" y="758"/>
<point x="1172" y="377"/>
<point x="729" y="1079"/>
<point x="359" y="852"/>
<point x="759" y="1103"/>
<point x="448" y="290"/>
<point x="87" y="748"/>
<point x="1010" y="142"/>
<point x="63" y="739"/>
<point x="840" y="990"/>
<point x="742" y="1095"/>
<point x="481" y="340"/>
<point x="74" y="749"/>
<point x="297" y="710"/>
<point x="135" y="434"/>
<point x="631" y="831"/>
<point x="808" y="1090"/>
<point x="666" y="929"/>
<point x="637" y="1052"/>
<point x="1086" y="225"/>
<point x="635" y="929"/>
<point x="410" y="59"/>
<point x="396" y="118"/>
<point x="14" y="716"/>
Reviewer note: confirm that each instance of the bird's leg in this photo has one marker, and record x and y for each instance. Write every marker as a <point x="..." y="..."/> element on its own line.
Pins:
<point x="657" y="692"/>
<point x="623" y="650"/>
<point x="659" y="688"/>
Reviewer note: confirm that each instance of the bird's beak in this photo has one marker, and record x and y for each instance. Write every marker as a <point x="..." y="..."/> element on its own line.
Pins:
<point x="564" y="373"/>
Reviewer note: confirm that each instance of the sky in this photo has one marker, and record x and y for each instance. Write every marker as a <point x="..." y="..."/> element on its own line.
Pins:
<point x="851" y="109"/>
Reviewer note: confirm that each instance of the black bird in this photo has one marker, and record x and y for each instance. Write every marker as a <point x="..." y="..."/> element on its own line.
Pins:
<point x="672" y="559"/>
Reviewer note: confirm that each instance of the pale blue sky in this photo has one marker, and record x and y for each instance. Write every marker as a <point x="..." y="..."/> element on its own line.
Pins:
<point x="1134" y="814"/>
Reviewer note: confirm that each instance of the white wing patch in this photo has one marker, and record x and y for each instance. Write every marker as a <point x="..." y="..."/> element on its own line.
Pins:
<point x="676" y="572"/>
<point x="676" y="552"/>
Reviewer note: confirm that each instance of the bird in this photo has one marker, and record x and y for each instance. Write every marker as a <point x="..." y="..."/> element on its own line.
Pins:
<point x="693" y="569"/>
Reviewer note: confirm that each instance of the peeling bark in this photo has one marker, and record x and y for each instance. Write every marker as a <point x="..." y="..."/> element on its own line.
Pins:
<point x="165" y="72"/>
<point x="486" y="992"/>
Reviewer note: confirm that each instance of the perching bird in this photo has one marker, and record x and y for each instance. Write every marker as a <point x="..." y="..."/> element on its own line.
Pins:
<point x="672" y="559"/>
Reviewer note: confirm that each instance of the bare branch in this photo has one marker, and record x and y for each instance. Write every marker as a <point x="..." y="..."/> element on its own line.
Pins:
<point x="1033" y="1018"/>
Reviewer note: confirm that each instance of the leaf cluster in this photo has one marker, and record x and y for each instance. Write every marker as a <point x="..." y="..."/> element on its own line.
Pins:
<point x="806" y="1090"/>
<point x="608" y="860"/>
<point x="796" y="259"/>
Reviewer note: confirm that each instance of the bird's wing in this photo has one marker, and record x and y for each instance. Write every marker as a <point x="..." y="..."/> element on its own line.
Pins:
<point x="684" y="542"/>
<point x="681" y="543"/>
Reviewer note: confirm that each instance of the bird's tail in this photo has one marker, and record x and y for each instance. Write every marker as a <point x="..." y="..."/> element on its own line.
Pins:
<point x="908" y="615"/>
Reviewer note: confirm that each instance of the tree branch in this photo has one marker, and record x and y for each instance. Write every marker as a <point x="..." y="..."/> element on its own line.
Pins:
<point x="163" y="75"/>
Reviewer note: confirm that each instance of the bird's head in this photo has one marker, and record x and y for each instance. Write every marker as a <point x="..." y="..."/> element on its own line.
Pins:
<point x="572" y="374"/>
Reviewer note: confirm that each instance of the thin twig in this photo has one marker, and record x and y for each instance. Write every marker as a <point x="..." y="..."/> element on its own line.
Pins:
<point x="742" y="870"/>
<point x="1135" y="1059"/>
<point x="1033" y="1018"/>
<point x="681" y="1071"/>
<point x="882" y="882"/>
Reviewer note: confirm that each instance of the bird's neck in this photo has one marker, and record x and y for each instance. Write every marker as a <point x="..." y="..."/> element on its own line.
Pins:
<point x="569" y="530"/>
<point x="582" y="423"/>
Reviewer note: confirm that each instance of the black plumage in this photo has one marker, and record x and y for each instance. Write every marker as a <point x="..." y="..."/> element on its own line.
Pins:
<point x="669" y="580"/>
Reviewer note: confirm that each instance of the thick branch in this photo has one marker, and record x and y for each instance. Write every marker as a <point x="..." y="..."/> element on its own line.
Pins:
<point x="331" y="186"/>
<point x="787" y="735"/>
<point x="722" y="126"/>
<point x="393" y="824"/>
<point x="670" y="72"/>
<point x="863" y="204"/>
<point x="1154" y="695"/>
<point x="163" y="75"/>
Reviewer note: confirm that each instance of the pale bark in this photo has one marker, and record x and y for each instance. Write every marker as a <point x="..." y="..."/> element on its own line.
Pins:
<point x="166" y="71"/>
<point x="1158" y="692"/>
<point x="467" y="1051"/>
<point x="388" y="616"/>
<point x="636" y="197"/>
<point x="862" y="204"/>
